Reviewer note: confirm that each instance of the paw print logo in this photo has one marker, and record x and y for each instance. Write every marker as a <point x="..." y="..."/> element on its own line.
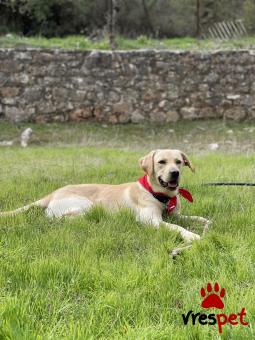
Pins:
<point x="212" y="297"/>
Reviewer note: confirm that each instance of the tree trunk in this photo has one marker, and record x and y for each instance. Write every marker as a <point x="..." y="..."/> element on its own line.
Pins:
<point x="147" y="19"/>
<point x="112" y="23"/>
<point x="207" y="13"/>
<point x="198" y="28"/>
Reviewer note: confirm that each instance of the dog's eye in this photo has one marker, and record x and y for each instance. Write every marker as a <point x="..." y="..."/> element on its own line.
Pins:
<point x="162" y="161"/>
<point x="178" y="161"/>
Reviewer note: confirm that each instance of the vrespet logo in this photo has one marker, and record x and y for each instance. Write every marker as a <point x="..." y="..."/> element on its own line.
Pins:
<point x="213" y="297"/>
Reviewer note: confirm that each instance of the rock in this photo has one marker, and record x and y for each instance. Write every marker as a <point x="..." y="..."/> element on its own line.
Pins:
<point x="123" y="110"/>
<point x="137" y="117"/>
<point x="114" y="97"/>
<point x="251" y="112"/>
<point x="59" y="93"/>
<point x="189" y="113"/>
<point x="42" y="119"/>
<point x="98" y="113"/>
<point x="233" y="96"/>
<point x="162" y="65"/>
<point x="211" y="78"/>
<point x="9" y="91"/>
<point x="235" y="113"/>
<point x="203" y="87"/>
<point x="22" y="56"/>
<point x="253" y="87"/>
<point x="32" y="94"/>
<point x="47" y="106"/>
<point x="81" y="114"/>
<point x="248" y="100"/>
<point x="250" y="130"/>
<point x="207" y="112"/>
<point x="6" y="143"/>
<point x="9" y="101"/>
<point x="21" y="78"/>
<point x="172" y="116"/>
<point x="25" y="137"/>
<point x="113" y="119"/>
<point x="124" y="118"/>
<point x="78" y="96"/>
<point x="213" y="146"/>
<point x="59" y="118"/>
<point x="158" y="116"/>
<point x="162" y="104"/>
<point x="16" y="114"/>
<point x="150" y="95"/>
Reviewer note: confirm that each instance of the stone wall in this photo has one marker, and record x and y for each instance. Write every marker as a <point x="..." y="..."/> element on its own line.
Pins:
<point x="132" y="86"/>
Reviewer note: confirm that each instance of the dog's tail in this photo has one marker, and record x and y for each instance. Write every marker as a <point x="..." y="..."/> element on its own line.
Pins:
<point x="43" y="203"/>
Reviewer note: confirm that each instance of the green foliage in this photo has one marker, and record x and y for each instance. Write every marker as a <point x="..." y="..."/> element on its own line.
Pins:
<point x="212" y="11"/>
<point x="52" y="17"/>
<point x="249" y="14"/>
<point x="157" y="18"/>
<point x="154" y="18"/>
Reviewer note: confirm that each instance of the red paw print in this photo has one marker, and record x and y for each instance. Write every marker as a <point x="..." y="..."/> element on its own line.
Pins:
<point x="212" y="299"/>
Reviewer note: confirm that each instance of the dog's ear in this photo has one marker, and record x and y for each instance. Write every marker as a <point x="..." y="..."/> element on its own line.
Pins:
<point x="147" y="163"/>
<point x="187" y="162"/>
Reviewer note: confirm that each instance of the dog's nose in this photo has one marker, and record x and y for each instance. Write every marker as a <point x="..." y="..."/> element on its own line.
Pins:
<point x="174" y="174"/>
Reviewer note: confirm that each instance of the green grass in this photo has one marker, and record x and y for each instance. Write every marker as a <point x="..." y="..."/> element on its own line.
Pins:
<point x="193" y="136"/>
<point x="84" y="43"/>
<point x="106" y="276"/>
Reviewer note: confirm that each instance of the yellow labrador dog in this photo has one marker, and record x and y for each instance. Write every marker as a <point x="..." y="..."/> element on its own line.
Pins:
<point x="147" y="198"/>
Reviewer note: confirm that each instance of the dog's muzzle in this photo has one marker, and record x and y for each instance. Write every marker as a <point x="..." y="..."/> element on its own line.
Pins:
<point x="171" y="185"/>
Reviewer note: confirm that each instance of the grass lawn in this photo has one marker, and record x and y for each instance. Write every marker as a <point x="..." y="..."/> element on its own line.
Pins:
<point x="84" y="43"/>
<point x="106" y="276"/>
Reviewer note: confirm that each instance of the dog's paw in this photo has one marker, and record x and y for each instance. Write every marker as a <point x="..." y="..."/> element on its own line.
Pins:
<point x="203" y="220"/>
<point x="208" y="222"/>
<point x="188" y="236"/>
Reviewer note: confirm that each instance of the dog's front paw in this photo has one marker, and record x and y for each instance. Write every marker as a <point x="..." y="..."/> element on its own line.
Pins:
<point x="207" y="222"/>
<point x="188" y="236"/>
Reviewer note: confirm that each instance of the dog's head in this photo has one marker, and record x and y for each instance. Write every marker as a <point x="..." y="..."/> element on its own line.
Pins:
<point x="164" y="169"/>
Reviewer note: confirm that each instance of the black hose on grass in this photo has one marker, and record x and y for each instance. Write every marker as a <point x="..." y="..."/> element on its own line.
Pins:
<point x="231" y="184"/>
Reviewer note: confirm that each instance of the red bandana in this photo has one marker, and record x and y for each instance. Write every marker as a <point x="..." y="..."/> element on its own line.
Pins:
<point x="171" y="202"/>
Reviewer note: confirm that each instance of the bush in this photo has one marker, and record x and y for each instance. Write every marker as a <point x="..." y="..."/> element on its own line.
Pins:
<point x="154" y="18"/>
<point x="249" y="14"/>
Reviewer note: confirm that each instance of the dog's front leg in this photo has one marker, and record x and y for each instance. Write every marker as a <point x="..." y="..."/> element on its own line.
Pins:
<point x="154" y="218"/>
<point x="196" y="218"/>
<point x="187" y="235"/>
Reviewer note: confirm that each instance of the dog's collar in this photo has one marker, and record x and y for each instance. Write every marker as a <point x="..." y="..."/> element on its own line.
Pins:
<point x="170" y="202"/>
